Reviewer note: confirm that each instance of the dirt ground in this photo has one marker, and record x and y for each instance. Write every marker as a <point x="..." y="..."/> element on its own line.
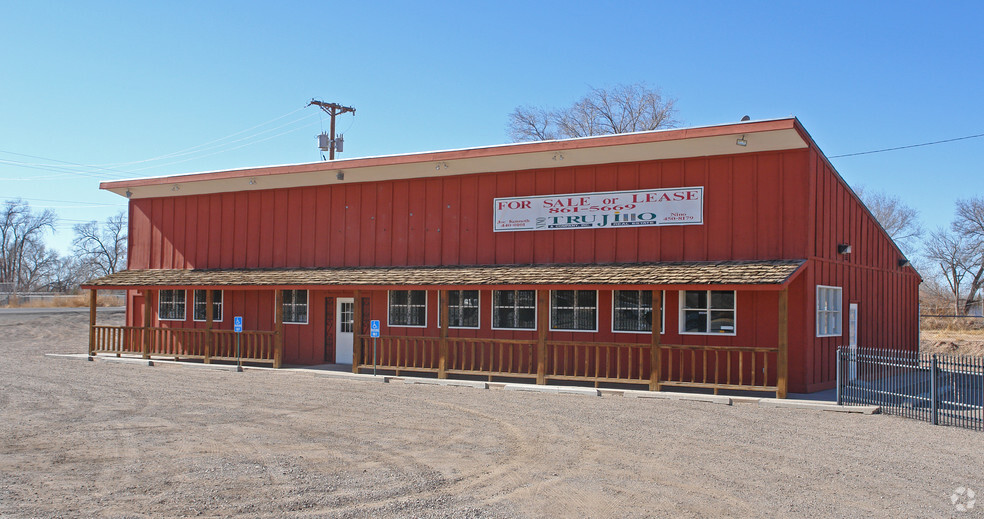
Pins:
<point x="103" y="439"/>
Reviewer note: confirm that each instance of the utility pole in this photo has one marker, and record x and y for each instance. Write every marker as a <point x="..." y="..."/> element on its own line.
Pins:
<point x="332" y="109"/>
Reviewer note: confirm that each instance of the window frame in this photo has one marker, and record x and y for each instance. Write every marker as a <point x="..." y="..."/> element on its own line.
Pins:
<point x="662" y="317"/>
<point x="536" y="312"/>
<point x="307" y="304"/>
<point x="389" y="322"/>
<point x="839" y="311"/>
<point x="681" y="301"/>
<point x="221" y="303"/>
<point x="551" y="310"/>
<point x="184" y="304"/>
<point x="477" y="308"/>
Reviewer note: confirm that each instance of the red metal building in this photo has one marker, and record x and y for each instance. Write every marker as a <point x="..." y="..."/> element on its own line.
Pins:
<point x="536" y="260"/>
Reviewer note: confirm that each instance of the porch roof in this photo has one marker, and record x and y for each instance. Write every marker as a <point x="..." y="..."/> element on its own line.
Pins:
<point x="736" y="274"/>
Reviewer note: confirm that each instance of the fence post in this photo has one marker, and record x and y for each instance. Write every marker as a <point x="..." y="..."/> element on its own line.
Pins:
<point x="148" y="302"/>
<point x="655" y="358"/>
<point x="934" y="390"/>
<point x="92" y="322"/>
<point x="356" y="330"/>
<point x="840" y="369"/>
<point x="782" y="357"/>
<point x="442" y="360"/>
<point x="208" y="322"/>
<point x="278" y="327"/>
<point x="543" y="318"/>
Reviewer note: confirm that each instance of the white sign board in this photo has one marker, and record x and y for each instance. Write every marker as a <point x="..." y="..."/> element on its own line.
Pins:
<point x="613" y="209"/>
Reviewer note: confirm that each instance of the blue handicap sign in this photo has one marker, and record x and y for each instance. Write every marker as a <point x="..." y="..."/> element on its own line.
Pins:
<point x="237" y="324"/>
<point x="374" y="328"/>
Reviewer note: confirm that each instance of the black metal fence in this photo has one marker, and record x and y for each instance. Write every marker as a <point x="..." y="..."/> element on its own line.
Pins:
<point x="937" y="388"/>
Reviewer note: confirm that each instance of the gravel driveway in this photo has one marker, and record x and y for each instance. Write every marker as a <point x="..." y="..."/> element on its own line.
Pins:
<point x="85" y="439"/>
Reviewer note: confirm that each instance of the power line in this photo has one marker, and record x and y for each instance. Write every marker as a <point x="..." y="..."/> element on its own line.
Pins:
<point x="906" y="147"/>
<point x="65" y="171"/>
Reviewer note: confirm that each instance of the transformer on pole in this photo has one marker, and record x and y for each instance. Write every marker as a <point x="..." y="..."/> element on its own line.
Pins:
<point x="328" y="142"/>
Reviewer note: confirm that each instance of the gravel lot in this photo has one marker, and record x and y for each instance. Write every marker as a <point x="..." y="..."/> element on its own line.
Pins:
<point x="103" y="439"/>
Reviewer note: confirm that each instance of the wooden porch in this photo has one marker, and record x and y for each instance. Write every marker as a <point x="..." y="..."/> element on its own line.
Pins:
<point x="655" y="365"/>
<point x="207" y="344"/>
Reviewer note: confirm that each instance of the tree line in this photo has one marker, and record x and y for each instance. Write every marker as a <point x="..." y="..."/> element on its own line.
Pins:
<point x="27" y="264"/>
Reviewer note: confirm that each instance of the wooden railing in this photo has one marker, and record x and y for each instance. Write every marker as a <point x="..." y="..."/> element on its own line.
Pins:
<point x="713" y="367"/>
<point x="598" y="361"/>
<point x="117" y="339"/>
<point x="719" y="367"/>
<point x="502" y="357"/>
<point x="185" y="343"/>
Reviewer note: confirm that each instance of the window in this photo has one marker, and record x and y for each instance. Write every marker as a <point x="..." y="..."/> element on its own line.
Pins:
<point x="295" y="306"/>
<point x="462" y="309"/>
<point x="632" y="311"/>
<point x="408" y="308"/>
<point x="828" y="311"/>
<point x="514" y="309"/>
<point x="707" y="312"/>
<point x="201" y="301"/>
<point x="574" y="310"/>
<point x="171" y="305"/>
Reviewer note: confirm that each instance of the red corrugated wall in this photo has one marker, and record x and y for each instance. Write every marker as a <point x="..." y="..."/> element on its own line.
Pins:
<point x="886" y="293"/>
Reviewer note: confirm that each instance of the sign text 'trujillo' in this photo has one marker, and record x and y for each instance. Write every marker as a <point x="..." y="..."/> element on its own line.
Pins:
<point x="643" y="207"/>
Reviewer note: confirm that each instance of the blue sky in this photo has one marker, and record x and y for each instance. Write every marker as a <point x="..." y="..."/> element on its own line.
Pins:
<point x="200" y="86"/>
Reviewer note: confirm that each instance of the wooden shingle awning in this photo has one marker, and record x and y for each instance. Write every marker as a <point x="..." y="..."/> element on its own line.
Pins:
<point x="724" y="274"/>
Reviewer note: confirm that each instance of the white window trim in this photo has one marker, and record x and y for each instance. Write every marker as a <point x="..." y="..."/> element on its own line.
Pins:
<point x="681" y="297"/>
<point x="840" y="312"/>
<point x="662" y="317"/>
<point x="391" y="325"/>
<point x="307" y="315"/>
<point x="550" y="304"/>
<point x="536" y="313"/>
<point x="479" y="308"/>
<point x="214" y="320"/>
<point x="184" y="317"/>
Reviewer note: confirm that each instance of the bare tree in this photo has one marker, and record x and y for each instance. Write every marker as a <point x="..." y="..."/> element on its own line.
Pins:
<point x="22" y="242"/>
<point x="969" y="224"/>
<point x="952" y="253"/>
<point x="618" y="109"/>
<point x="899" y="220"/>
<point x="103" y="248"/>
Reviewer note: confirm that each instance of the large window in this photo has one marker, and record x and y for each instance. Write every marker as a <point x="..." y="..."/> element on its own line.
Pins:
<point x="707" y="312"/>
<point x="514" y="309"/>
<point x="462" y="309"/>
<point x="632" y="311"/>
<point x="408" y="308"/>
<point x="201" y="305"/>
<point x="829" y="311"/>
<point x="574" y="310"/>
<point x="295" y="306"/>
<point x="171" y="305"/>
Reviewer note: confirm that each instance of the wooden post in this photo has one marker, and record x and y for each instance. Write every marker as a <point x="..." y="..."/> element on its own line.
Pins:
<point x="356" y="332"/>
<point x="542" y="324"/>
<point x="655" y="368"/>
<point x="442" y="362"/>
<point x="208" y="323"/>
<point x="147" y="316"/>
<point x="782" y="370"/>
<point x="92" y="322"/>
<point x="278" y="327"/>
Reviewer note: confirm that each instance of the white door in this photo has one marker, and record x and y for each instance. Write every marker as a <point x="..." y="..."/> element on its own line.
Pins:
<point x="852" y="341"/>
<point x="344" y="317"/>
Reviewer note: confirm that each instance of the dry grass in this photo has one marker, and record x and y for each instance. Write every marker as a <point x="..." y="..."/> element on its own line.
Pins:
<point x="80" y="300"/>
<point x="952" y="335"/>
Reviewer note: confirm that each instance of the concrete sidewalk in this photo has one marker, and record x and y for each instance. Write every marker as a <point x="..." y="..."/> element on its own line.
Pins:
<point x="821" y="401"/>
